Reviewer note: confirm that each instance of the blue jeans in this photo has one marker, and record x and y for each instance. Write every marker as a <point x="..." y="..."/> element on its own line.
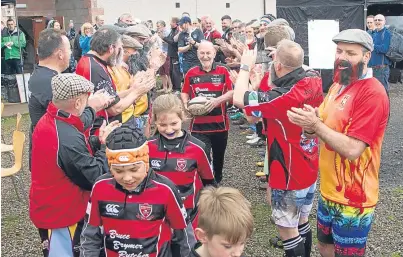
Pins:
<point x="382" y="74"/>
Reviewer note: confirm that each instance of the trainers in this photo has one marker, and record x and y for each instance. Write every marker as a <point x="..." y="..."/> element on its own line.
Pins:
<point x="260" y="164"/>
<point x="251" y="136"/>
<point x="239" y="121"/>
<point x="263" y="186"/>
<point x="260" y="174"/>
<point x="253" y="141"/>
<point x="258" y="143"/>
<point x="236" y="116"/>
<point x="244" y="126"/>
<point x="248" y="131"/>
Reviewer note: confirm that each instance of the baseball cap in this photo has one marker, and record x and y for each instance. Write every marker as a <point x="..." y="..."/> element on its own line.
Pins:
<point x="68" y="86"/>
<point x="185" y="19"/>
<point x="355" y="36"/>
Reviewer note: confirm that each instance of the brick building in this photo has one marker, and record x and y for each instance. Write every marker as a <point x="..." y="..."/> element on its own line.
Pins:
<point x="79" y="11"/>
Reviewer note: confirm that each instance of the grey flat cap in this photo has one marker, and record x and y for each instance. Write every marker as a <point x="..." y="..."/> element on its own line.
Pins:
<point x="138" y="30"/>
<point x="355" y="36"/>
<point x="130" y="42"/>
<point x="279" y="21"/>
<point x="117" y="28"/>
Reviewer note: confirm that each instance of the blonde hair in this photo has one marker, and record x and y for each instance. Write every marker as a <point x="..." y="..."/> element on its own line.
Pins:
<point x="86" y="25"/>
<point x="167" y="103"/>
<point x="226" y="212"/>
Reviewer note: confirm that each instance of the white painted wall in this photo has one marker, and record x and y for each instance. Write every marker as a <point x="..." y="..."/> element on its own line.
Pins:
<point x="244" y="10"/>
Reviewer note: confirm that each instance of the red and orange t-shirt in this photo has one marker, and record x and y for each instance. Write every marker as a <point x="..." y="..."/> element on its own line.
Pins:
<point x="360" y="111"/>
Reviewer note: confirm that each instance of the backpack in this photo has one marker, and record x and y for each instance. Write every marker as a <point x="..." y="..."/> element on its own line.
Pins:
<point x="395" y="52"/>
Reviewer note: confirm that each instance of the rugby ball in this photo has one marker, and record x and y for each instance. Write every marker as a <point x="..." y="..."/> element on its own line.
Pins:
<point x="196" y="106"/>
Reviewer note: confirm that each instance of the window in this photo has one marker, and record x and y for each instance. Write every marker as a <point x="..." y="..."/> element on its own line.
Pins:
<point x="227" y="5"/>
<point x="177" y="5"/>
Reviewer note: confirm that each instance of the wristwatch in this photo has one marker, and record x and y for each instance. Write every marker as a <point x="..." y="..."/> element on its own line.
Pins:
<point x="245" y="67"/>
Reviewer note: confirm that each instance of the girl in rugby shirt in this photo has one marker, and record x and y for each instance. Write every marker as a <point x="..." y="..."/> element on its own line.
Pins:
<point x="177" y="155"/>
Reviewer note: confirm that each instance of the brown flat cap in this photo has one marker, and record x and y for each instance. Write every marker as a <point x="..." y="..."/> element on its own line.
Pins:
<point x="68" y="86"/>
<point x="130" y="42"/>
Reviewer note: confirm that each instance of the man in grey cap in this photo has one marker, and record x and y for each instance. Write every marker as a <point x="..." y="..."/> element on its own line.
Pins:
<point x="351" y="124"/>
<point x="64" y="164"/>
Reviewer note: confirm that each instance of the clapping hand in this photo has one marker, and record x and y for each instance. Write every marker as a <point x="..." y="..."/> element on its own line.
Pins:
<point x="157" y="58"/>
<point x="105" y="130"/>
<point x="100" y="100"/>
<point x="249" y="58"/>
<point x="307" y="117"/>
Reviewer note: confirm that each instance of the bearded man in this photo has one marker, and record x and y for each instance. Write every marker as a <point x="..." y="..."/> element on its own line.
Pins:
<point x="351" y="124"/>
<point x="107" y="50"/>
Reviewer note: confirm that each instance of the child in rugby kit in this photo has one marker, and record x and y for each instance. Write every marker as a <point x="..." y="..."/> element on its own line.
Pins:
<point x="177" y="155"/>
<point x="225" y="223"/>
<point x="133" y="210"/>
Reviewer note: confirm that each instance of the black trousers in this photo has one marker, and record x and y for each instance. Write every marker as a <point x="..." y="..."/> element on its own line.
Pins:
<point x="14" y="66"/>
<point x="175" y="73"/>
<point x="216" y="143"/>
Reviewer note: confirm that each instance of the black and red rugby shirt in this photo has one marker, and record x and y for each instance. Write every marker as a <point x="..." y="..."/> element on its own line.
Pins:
<point x="293" y="158"/>
<point x="184" y="161"/>
<point x="95" y="70"/>
<point x="135" y="223"/>
<point x="215" y="83"/>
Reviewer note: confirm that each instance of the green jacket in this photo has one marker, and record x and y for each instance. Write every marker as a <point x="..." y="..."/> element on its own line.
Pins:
<point x="14" y="51"/>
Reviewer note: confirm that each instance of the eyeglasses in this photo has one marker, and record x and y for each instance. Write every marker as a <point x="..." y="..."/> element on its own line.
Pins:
<point x="378" y="20"/>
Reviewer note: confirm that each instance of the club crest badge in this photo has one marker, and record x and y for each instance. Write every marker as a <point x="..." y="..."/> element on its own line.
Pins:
<point x="181" y="165"/>
<point x="145" y="211"/>
<point x="343" y="102"/>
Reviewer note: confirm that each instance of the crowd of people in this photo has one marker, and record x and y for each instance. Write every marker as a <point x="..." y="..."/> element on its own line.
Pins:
<point x="114" y="173"/>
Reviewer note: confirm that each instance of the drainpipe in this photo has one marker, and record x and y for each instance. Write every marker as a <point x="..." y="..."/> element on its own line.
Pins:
<point x="365" y="14"/>
<point x="264" y="7"/>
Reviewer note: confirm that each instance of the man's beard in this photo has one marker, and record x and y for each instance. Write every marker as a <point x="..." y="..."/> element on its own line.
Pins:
<point x="345" y="73"/>
<point x="115" y="58"/>
<point x="137" y="62"/>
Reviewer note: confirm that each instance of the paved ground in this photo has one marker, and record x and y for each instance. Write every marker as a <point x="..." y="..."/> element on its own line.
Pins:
<point x="19" y="237"/>
<point x="13" y="109"/>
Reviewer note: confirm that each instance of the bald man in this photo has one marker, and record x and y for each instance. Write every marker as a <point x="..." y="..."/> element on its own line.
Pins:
<point x="99" y="21"/>
<point x="211" y="80"/>
<point x="125" y="20"/>
<point x="379" y="61"/>
<point x="293" y="158"/>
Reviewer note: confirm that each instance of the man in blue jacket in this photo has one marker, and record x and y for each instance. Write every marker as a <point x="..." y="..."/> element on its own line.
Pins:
<point x="379" y="62"/>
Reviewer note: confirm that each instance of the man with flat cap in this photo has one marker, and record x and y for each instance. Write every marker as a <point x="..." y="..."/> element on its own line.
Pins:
<point x="122" y="74"/>
<point x="64" y="164"/>
<point x="351" y="124"/>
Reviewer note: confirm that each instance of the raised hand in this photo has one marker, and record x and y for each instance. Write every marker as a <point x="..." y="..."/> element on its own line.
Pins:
<point x="105" y="130"/>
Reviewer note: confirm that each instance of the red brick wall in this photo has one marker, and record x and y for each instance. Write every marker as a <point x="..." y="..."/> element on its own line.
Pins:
<point x="45" y="8"/>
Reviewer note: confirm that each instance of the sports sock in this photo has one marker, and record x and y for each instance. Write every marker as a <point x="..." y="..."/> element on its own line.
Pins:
<point x="294" y="247"/>
<point x="306" y="234"/>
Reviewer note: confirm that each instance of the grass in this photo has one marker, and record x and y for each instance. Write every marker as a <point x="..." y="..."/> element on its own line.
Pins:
<point x="9" y="223"/>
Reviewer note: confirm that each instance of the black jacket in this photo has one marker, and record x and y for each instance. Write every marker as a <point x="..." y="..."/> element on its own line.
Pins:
<point x="77" y="51"/>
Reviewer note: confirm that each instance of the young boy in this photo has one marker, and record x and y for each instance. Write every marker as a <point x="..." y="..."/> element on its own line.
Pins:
<point x="133" y="210"/>
<point x="225" y="223"/>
